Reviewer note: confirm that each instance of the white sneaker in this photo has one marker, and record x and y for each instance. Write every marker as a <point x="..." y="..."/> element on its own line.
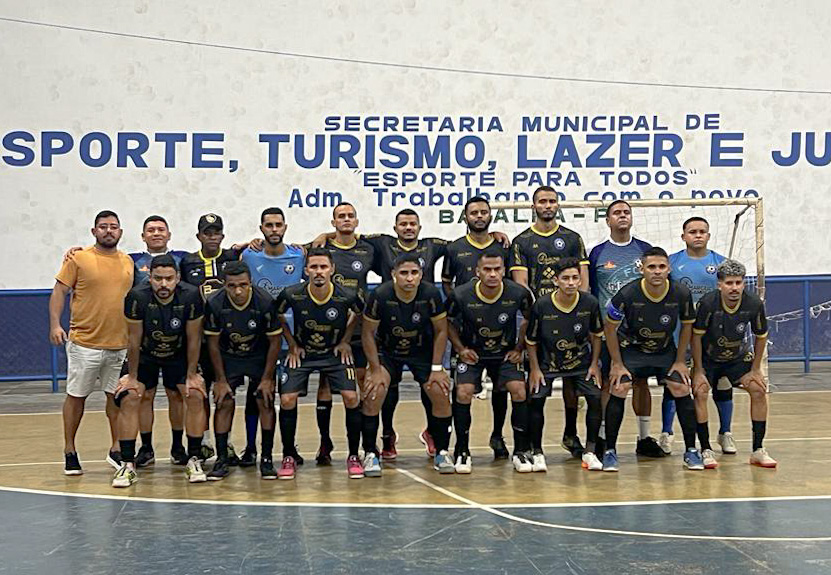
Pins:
<point x="372" y="465"/>
<point x="709" y="457"/>
<point x="124" y="477"/>
<point x="728" y="444"/>
<point x="665" y="442"/>
<point x="464" y="464"/>
<point x="761" y="458"/>
<point x="591" y="462"/>
<point x="195" y="472"/>
<point x="538" y="463"/>
<point x="522" y="463"/>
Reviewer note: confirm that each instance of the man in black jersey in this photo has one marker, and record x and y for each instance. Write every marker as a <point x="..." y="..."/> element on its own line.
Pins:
<point x="534" y="253"/>
<point x="647" y="312"/>
<point x="325" y="315"/>
<point x="563" y="339"/>
<point x="460" y="268"/>
<point x="408" y="319"/>
<point x="720" y="348"/>
<point x="165" y="329"/>
<point x="243" y="333"/>
<point x="484" y="335"/>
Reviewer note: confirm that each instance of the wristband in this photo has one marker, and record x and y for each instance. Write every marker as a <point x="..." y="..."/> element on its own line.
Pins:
<point x="436" y="367"/>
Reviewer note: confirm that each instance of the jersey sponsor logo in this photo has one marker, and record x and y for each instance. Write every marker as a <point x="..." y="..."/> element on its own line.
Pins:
<point x="289" y="268"/>
<point x="399" y="331"/>
<point x="665" y="319"/>
<point x="331" y="313"/>
<point x="416" y="317"/>
<point x="490" y="333"/>
<point x="559" y="243"/>
<point x="547" y="260"/>
<point x="564" y="344"/>
<point x="503" y="318"/>
<point x="461" y="368"/>
<point x="252" y="324"/>
<point x="175" y="323"/>
<point x="357" y="266"/>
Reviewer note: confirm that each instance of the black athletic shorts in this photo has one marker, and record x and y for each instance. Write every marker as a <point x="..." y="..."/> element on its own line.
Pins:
<point x="237" y="369"/>
<point x="173" y="374"/>
<point x="358" y="355"/>
<point x="732" y="370"/>
<point x="500" y="372"/>
<point x="340" y="377"/>
<point x="419" y="367"/>
<point x="643" y="365"/>
<point x="575" y="379"/>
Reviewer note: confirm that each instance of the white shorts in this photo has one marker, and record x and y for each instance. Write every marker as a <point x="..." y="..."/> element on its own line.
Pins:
<point x="91" y="369"/>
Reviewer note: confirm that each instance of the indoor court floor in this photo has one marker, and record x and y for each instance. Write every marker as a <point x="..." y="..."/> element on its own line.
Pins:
<point x="651" y="517"/>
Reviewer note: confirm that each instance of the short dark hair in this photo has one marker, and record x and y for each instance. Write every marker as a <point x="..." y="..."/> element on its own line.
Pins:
<point x="564" y="264"/>
<point x="730" y="268"/>
<point x="694" y="219"/>
<point x="340" y="205"/>
<point x="271" y="212"/>
<point x="163" y="261"/>
<point x="106" y="214"/>
<point x="477" y="200"/>
<point x="654" y="251"/>
<point x="616" y="202"/>
<point x="236" y="268"/>
<point x="407" y="212"/>
<point x="544" y="189"/>
<point x="492" y="252"/>
<point x="319" y="252"/>
<point x="154" y="218"/>
<point x="407" y="258"/>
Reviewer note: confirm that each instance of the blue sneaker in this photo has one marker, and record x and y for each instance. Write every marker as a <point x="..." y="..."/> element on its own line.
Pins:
<point x="693" y="460"/>
<point x="610" y="460"/>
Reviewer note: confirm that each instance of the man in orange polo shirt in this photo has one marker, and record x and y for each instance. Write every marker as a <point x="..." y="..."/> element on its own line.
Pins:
<point x="99" y="277"/>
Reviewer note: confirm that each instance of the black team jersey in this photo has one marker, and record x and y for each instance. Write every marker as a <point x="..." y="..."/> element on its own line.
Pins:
<point x="488" y="326"/>
<point x="352" y="263"/>
<point x="243" y="330"/>
<point x="319" y="325"/>
<point x="462" y="257"/>
<point x="405" y="329"/>
<point x="206" y="273"/>
<point x="647" y="323"/>
<point x="537" y="252"/>
<point x="724" y="329"/>
<point x="563" y="335"/>
<point x="388" y="248"/>
<point x="164" y="337"/>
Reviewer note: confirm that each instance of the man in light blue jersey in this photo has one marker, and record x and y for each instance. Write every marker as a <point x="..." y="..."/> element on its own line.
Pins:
<point x="613" y="264"/>
<point x="695" y="267"/>
<point x="273" y="268"/>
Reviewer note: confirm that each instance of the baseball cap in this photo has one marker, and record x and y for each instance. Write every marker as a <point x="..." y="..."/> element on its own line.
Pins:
<point x="209" y="221"/>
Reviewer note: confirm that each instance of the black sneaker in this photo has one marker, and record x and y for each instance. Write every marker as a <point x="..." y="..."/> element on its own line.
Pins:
<point x="298" y="459"/>
<point x="267" y="470"/>
<point x="233" y="458"/>
<point x="648" y="447"/>
<point x="500" y="450"/>
<point x="145" y="456"/>
<point x="72" y="465"/>
<point x="220" y="471"/>
<point x="248" y="459"/>
<point x="324" y="452"/>
<point x="571" y="443"/>
<point x="114" y="459"/>
<point x="178" y="456"/>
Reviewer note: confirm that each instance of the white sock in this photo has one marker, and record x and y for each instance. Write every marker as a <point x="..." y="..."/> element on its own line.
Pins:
<point x="643" y="426"/>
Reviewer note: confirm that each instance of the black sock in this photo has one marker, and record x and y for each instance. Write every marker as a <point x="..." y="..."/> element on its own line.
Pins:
<point x="194" y="446"/>
<point x="252" y="418"/>
<point x="176" y="441"/>
<point x="288" y="428"/>
<point x="571" y="422"/>
<point x="428" y="410"/>
<point x="354" y="422"/>
<point x="759" y="428"/>
<point x="685" y="407"/>
<point x="388" y="411"/>
<point x="440" y="432"/>
<point x="519" y="425"/>
<point x="594" y="416"/>
<point x="268" y="443"/>
<point x="221" y="445"/>
<point x="147" y="440"/>
<point x="128" y="450"/>
<point x="703" y="432"/>
<point x="499" y="402"/>
<point x="614" y="419"/>
<point x="369" y="431"/>
<point x="324" y="417"/>
<point x="461" y="422"/>
<point x="536" y="422"/>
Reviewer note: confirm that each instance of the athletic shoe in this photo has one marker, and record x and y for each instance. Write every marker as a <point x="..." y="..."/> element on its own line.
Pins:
<point x="220" y="471"/>
<point x="372" y="465"/>
<point x="298" y="459"/>
<point x="206" y="452"/>
<point x="693" y="460"/>
<point x="354" y="468"/>
<point x="233" y="458"/>
<point x="665" y="442"/>
<point x="464" y="463"/>
<point x="500" y="450"/>
<point x="727" y="443"/>
<point x="600" y="447"/>
<point x="389" y="453"/>
<point x="761" y="458"/>
<point x="709" y="457"/>
<point x="443" y="463"/>
<point x="72" y="465"/>
<point x="648" y="447"/>
<point x="610" y="460"/>
<point x="571" y="443"/>
<point x="324" y="452"/>
<point x="287" y="468"/>
<point x="179" y="456"/>
<point x="145" y="456"/>
<point x="522" y="463"/>
<point x="427" y="440"/>
<point x="592" y="463"/>
<point x="124" y="477"/>
<point x="538" y="463"/>
<point x="267" y="470"/>
<point x="249" y="458"/>
<point x="114" y="459"/>
<point x="195" y="472"/>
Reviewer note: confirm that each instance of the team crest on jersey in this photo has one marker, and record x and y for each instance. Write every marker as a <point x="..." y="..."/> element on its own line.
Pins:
<point x="252" y="324"/>
<point x="665" y="319"/>
<point x="711" y="269"/>
<point x="357" y="266"/>
<point x="559" y="243"/>
<point x="289" y="268"/>
<point x="331" y="313"/>
<point x="416" y="317"/>
<point x="461" y="368"/>
<point x="503" y="318"/>
<point x="578" y="327"/>
<point x="175" y="323"/>
<point x="740" y="328"/>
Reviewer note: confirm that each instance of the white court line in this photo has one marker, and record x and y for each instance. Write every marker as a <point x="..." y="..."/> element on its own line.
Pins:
<point x="494" y="511"/>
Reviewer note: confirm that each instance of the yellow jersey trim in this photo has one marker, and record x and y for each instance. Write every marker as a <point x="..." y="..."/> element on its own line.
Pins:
<point x="321" y="301"/>
<point x="661" y="297"/>
<point x="479" y="294"/>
